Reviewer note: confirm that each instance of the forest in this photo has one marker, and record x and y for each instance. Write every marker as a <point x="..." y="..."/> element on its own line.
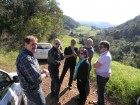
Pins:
<point x="42" y="18"/>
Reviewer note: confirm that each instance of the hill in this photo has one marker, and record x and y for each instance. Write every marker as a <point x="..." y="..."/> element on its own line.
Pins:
<point x="129" y="31"/>
<point x="70" y="23"/>
<point x="125" y="41"/>
<point x="101" y="25"/>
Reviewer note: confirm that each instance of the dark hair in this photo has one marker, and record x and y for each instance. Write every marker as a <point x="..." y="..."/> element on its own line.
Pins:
<point x="84" y="51"/>
<point x="30" y="38"/>
<point x="105" y="43"/>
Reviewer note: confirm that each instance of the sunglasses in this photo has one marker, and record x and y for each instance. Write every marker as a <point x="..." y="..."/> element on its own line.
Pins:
<point x="101" y="47"/>
<point x="57" y="43"/>
<point x="82" y="53"/>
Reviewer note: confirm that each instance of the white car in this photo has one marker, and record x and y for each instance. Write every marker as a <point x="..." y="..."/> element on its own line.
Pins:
<point x="10" y="91"/>
<point x="42" y="50"/>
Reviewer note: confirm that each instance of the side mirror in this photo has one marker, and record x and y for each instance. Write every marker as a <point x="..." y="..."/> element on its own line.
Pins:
<point x="15" y="79"/>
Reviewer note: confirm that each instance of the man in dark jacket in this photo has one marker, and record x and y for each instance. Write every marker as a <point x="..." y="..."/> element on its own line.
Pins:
<point x="54" y="58"/>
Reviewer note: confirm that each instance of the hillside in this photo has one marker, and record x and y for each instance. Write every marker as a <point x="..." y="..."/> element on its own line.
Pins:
<point x="129" y="31"/>
<point x="70" y="23"/>
<point x="125" y="41"/>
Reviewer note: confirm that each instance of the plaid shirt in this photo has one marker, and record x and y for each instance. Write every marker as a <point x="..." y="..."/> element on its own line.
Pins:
<point x="28" y="70"/>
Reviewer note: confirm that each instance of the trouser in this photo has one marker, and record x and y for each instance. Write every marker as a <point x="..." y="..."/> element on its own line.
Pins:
<point x="101" y="83"/>
<point x="55" y="82"/>
<point x="35" y="97"/>
<point x="82" y="90"/>
<point x="65" y="69"/>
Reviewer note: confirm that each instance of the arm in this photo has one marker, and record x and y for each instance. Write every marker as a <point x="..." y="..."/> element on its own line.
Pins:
<point x="97" y="64"/>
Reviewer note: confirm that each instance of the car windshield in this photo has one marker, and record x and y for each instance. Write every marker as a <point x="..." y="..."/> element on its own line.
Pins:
<point x="43" y="46"/>
<point x="4" y="83"/>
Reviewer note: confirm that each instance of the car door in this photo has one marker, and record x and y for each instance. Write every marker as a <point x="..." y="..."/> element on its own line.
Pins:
<point x="10" y="92"/>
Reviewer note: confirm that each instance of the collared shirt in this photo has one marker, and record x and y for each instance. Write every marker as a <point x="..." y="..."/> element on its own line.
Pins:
<point x="104" y="70"/>
<point x="28" y="70"/>
<point x="90" y="53"/>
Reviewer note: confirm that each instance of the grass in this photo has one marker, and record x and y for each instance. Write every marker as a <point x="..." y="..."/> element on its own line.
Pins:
<point x="124" y="84"/>
<point x="7" y="60"/>
<point x="86" y="30"/>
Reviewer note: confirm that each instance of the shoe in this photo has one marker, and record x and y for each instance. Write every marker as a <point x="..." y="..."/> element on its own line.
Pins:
<point x="77" y="100"/>
<point x="52" y="95"/>
<point x="95" y="103"/>
<point x="57" y="101"/>
<point x="81" y="103"/>
<point x="70" y="87"/>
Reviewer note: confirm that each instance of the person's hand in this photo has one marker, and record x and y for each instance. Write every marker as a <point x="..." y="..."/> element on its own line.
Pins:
<point x="46" y="72"/>
<point x="74" y="54"/>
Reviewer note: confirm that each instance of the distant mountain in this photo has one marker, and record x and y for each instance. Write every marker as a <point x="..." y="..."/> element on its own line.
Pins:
<point x="70" y="23"/>
<point x="97" y="24"/>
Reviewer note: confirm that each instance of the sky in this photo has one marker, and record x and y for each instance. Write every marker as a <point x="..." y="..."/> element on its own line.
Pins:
<point x="113" y="11"/>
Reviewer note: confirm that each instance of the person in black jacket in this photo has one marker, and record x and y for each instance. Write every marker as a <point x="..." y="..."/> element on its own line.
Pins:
<point x="82" y="75"/>
<point x="55" y="56"/>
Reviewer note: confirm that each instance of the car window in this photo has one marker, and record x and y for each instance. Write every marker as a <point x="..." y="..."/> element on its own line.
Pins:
<point x="43" y="46"/>
<point x="5" y="82"/>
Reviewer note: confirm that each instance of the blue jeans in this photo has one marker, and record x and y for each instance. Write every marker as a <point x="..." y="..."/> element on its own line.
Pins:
<point x="35" y="96"/>
<point x="101" y="83"/>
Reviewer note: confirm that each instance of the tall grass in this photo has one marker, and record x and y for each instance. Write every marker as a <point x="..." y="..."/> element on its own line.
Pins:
<point x="7" y="60"/>
<point x="124" y="84"/>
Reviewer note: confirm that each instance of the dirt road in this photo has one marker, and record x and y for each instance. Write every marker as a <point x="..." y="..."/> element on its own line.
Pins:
<point x="66" y="96"/>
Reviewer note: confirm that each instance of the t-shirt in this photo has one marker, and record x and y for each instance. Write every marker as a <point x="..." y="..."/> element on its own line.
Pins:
<point x="68" y="51"/>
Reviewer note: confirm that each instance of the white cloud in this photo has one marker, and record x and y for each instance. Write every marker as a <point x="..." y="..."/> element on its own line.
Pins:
<point x="113" y="11"/>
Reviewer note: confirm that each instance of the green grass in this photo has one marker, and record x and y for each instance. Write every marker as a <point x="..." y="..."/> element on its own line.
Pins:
<point x="86" y="30"/>
<point x="7" y="60"/>
<point x="124" y="84"/>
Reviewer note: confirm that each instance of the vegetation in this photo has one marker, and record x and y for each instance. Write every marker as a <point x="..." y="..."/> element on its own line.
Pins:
<point x="42" y="18"/>
<point x="69" y="23"/>
<point x="125" y="42"/>
<point x="124" y="84"/>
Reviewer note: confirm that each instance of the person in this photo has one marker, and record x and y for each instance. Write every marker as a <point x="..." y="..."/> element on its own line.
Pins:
<point x="82" y="75"/>
<point x="88" y="46"/>
<point x="29" y="73"/>
<point x="102" y="70"/>
<point x="55" y="56"/>
<point x="70" y="54"/>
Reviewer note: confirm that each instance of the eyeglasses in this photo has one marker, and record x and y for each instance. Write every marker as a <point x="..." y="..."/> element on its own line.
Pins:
<point x="57" y="43"/>
<point x="82" y="53"/>
<point x="101" y="47"/>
